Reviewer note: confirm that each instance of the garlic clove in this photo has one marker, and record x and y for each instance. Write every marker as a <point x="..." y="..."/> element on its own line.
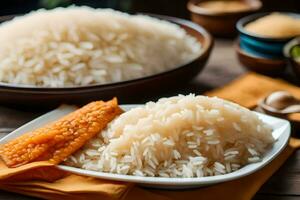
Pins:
<point x="280" y="104"/>
<point x="280" y="100"/>
<point x="291" y="109"/>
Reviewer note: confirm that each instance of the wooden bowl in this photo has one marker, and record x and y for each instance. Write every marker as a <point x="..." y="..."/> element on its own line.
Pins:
<point x="126" y="91"/>
<point x="220" y="23"/>
<point x="259" y="64"/>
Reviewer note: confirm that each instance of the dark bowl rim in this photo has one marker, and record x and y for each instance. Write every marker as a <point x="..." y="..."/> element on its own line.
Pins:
<point x="247" y="19"/>
<point x="193" y="8"/>
<point x="206" y="47"/>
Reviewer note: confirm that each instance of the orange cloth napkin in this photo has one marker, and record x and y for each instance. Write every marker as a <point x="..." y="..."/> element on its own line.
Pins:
<point x="245" y="91"/>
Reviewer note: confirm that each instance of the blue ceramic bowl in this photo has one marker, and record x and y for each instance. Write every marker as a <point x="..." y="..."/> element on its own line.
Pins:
<point x="265" y="47"/>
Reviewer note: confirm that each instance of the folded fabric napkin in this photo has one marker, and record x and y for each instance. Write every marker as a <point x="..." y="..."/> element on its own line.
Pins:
<point x="33" y="179"/>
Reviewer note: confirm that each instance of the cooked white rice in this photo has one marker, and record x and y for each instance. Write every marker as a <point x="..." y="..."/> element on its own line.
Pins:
<point x="182" y="136"/>
<point x="81" y="46"/>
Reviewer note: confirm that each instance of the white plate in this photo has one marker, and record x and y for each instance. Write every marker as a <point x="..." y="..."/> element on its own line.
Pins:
<point x="281" y="132"/>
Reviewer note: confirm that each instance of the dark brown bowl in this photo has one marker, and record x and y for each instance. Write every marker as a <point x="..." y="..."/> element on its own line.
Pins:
<point x="296" y="67"/>
<point x="220" y="23"/>
<point x="287" y="53"/>
<point x="127" y="91"/>
<point x="258" y="64"/>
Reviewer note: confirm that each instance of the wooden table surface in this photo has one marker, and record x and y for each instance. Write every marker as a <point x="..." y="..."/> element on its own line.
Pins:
<point x="221" y="69"/>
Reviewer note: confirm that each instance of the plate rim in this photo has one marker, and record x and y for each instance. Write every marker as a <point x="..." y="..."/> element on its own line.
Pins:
<point x="64" y="109"/>
<point x="187" y="181"/>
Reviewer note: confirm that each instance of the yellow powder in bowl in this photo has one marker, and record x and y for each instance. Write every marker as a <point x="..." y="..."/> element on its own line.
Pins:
<point x="224" y="6"/>
<point x="275" y="25"/>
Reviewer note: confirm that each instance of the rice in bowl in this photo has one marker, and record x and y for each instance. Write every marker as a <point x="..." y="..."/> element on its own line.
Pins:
<point x="79" y="46"/>
<point x="182" y="136"/>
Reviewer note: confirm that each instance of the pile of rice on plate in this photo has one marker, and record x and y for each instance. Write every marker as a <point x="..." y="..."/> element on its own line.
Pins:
<point x="78" y="46"/>
<point x="181" y="136"/>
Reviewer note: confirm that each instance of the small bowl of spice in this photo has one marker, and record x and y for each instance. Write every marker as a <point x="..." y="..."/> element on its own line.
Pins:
<point x="263" y="36"/>
<point x="292" y="53"/>
<point x="220" y="16"/>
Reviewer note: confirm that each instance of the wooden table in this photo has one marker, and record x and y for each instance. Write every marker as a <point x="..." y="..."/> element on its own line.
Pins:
<point x="221" y="69"/>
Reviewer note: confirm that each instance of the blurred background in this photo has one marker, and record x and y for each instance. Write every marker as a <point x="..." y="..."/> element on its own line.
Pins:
<point x="166" y="7"/>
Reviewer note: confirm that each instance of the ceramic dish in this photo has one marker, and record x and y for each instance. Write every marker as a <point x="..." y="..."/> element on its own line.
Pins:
<point x="220" y="23"/>
<point x="281" y="132"/>
<point x="271" y="48"/>
<point x="258" y="63"/>
<point x="45" y="97"/>
<point x="287" y="53"/>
